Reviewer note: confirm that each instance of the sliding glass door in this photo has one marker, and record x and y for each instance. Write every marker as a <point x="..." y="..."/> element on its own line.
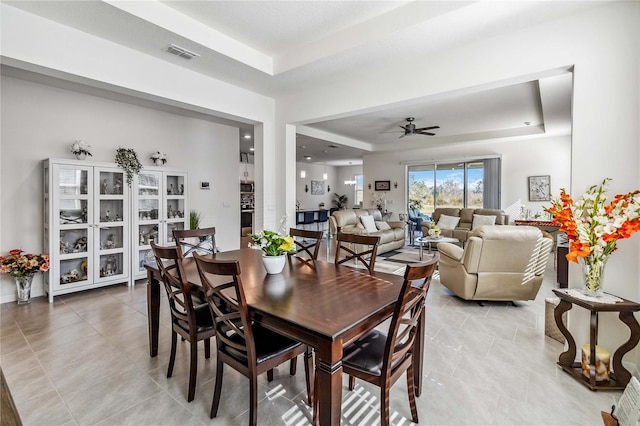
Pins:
<point x="474" y="184"/>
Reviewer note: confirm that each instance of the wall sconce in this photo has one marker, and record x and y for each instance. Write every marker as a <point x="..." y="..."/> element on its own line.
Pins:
<point x="369" y="185"/>
<point x="306" y="188"/>
<point x="303" y="174"/>
<point x="395" y="185"/>
<point x="328" y="188"/>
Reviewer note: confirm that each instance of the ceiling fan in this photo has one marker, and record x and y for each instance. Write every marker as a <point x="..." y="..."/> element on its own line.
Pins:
<point x="410" y="129"/>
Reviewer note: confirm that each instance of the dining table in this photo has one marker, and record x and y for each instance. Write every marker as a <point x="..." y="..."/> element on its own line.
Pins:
<point x="318" y="303"/>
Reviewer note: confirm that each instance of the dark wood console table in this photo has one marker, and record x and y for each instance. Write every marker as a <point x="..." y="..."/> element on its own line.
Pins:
<point x="620" y="376"/>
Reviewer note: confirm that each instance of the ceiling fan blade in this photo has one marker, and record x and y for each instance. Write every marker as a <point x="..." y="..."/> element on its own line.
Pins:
<point x="403" y="128"/>
<point x="426" y="133"/>
<point x="402" y="135"/>
<point x="427" y="128"/>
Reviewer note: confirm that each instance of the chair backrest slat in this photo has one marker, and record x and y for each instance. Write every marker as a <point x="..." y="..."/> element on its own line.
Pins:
<point x="348" y="245"/>
<point x="311" y="248"/>
<point x="191" y="241"/>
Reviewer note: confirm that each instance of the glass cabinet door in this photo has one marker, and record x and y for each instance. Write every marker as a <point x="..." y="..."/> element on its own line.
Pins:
<point x="147" y="217"/>
<point x="111" y="236"/>
<point x="175" y="204"/>
<point x="74" y="211"/>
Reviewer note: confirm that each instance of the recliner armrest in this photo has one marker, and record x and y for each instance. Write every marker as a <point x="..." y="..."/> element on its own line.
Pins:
<point x="450" y="251"/>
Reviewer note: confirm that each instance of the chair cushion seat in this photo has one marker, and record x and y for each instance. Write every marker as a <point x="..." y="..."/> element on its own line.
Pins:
<point x="366" y="354"/>
<point x="204" y="321"/>
<point x="268" y="345"/>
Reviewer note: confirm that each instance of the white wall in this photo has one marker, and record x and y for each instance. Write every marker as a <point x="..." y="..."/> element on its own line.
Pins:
<point x="41" y="121"/>
<point x="314" y="172"/>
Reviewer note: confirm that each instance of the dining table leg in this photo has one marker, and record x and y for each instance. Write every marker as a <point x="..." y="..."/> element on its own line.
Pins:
<point x="329" y="377"/>
<point x="153" y="311"/>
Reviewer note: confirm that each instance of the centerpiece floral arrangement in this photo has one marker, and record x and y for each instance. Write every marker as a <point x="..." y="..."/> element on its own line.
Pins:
<point x="127" y="159"/>
<point x="81" y="148"/>
<point x="159" y="156"/>
<point x="20" y="264"/>
<point x="273" y="243"/>
<point x="593" y="227"/>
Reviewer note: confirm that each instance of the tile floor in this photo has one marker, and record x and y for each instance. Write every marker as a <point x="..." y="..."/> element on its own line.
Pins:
<point x="84" y="360"/>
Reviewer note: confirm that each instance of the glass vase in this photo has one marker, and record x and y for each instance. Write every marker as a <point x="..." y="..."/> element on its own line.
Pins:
<point x="81" y="155"/>
<point x="23" y="284"/>
<point x="593" y="272"/>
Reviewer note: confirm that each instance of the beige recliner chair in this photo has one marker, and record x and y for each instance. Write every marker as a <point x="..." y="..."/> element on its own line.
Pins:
<point x="497" y="263"/>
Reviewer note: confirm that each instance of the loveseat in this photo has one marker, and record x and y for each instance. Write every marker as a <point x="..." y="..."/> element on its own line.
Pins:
<point x="392" y="233"/>
<point x="465" y="224"/>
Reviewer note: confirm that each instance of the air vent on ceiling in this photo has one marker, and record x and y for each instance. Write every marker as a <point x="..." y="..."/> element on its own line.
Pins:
<point x="333" y="146"/>
<point x="181" y="51"/>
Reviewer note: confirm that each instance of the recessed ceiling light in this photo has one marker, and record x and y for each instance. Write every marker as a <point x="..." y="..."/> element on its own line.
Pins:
<point x="303" y="146"/>
<point x="307" y="157"/>
<point x="247" y="136"/>
<point x="527" y="123"/>
<point x="252" y="149"/>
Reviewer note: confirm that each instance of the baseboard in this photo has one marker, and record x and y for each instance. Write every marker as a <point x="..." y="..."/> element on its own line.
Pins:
<point x="8" y="298"/>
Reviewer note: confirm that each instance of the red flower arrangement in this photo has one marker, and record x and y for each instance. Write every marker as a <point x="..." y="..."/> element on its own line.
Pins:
<point x="21" y="264"/>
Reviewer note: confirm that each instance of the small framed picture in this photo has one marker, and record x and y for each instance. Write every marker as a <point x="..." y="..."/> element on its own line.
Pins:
<point x="244" y="157"/>
<point x="204" y="185"/>
<point x="383" y="185"/>
<point x="539" y="188"/>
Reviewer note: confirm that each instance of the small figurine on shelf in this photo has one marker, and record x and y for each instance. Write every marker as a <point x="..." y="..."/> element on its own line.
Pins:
<point x="110" y="243"/>
<point x="111" y="266"/>
<point x="170" y="190"/>
<point x="141" y="240"/>
<point x="106" y="215"/>
<point x="80" y="245"/>
<point x="182" y="189"/>
<point x="170" y="212"/>
<point x="104" y="189"/>
<point x="117" y="186"/>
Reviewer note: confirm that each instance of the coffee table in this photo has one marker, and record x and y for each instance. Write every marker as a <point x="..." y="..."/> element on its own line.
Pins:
<point x="433" y="240"/>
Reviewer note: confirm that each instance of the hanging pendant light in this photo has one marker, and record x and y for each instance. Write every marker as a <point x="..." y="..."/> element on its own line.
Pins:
<point x="324" y="175"/>
<point x="351" y="181"/>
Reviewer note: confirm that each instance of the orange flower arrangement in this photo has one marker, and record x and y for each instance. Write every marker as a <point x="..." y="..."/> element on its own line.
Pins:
<point x="594" y="226"/>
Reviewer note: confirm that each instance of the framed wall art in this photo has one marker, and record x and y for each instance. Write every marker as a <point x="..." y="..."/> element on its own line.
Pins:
<point x="317" y="187"/>
<point x="382" y="185"/>
<point x="539" y="188"/>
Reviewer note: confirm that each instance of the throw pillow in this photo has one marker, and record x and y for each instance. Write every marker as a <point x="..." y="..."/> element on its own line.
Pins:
<point x="448" y="222"/>
<point x="368" y="223"/>
<point x="382" y="226"/>
<point x="482" y="220"/>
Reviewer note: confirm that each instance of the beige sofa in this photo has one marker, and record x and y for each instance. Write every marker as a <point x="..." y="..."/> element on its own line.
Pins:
<point x="497" y="263"/>
<point x="348" y="221"/>
<point x="463" y="228"/>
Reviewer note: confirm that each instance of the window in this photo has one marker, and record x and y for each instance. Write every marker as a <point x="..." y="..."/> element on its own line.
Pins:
<point x="474" y="184"/>
<point x="358" y="195"/>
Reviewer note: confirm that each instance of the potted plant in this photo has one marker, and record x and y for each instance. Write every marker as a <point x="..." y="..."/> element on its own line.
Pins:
<point x="340" y="201"/>
<point x="127" y="159"/>
<point x="81" y="149"/>
<point x="159" y="158"/>
<point x="275" y="247"/>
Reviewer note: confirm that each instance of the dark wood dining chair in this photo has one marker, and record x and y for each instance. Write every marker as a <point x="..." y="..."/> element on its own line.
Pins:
<point x="363" y="248"/>
<point x="246" y="347"/>
<point x="190" y="241"/>
<point x="193" y="322"/>
<point x="311" y="248"/>
<point x="381" y="359"/>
